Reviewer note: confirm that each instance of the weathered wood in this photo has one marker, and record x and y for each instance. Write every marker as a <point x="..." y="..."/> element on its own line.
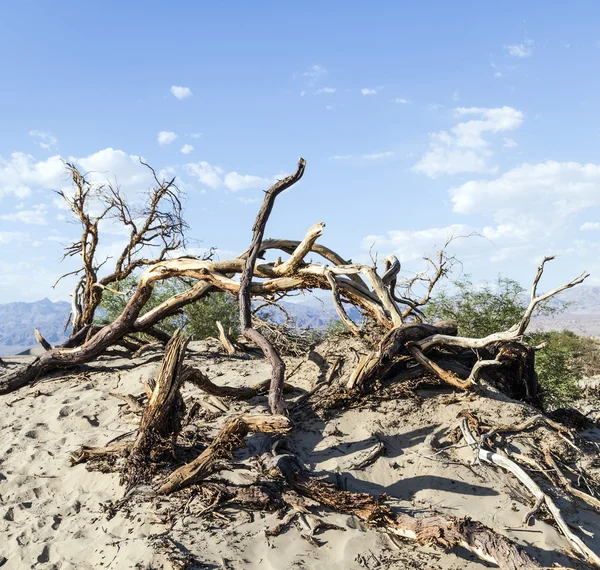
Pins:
<point x="432" y="529"/>
<point x="162" y="417"/>
<point x="258" y="231"/>
<point x="379" y="361"/>
<point x="229" y="438"/>
<point x="38" y="336"/>
<point x="510" y="466"/>
<point x="224" y="339"/>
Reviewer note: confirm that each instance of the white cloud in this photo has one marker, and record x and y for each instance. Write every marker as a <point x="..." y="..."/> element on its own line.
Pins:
<point x="21" y="173"/>
<point x="590" y="226"/>
<point x="410" y="245"/>
<point x="10" y="237"/>
<point x="521" y="50"/>
<point x="378" y="155"/>
<point x="464" y="149"/>
<point x="195" y="135"/>
<point x="216" y="177"/>
<point x="43" y="140"/>
<point x="35" y="216"/>
<point x="109" y="165"/>
<point x="559" y="188"/>
<point x="401" y="101"/>
<point x="247" y="201"/>
<point x="341" y="157"/>
<point x="371" y="90"/>
<point x="498" y="74"/>
<point x="325" y="91"/>
<point x="236" y="182"/>
<point x="314" y="73"/>
<point x="187" y="148"/>
<point x="509" y="143"/>
<point x="206" y="173"/>
<point x="166" y="137"/>
<point x="181" y="92"/>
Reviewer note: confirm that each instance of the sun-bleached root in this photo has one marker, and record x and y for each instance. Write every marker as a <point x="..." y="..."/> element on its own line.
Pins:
<point x="432" y="529"/>
<point x="541" y="498"/>
<point x="230" y="437"/>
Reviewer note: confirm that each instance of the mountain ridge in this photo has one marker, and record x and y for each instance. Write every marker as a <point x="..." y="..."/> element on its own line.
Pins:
<point x="18" y="319"/>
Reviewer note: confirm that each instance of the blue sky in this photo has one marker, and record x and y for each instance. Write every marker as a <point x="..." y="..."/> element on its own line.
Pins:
<point x="418" y="121"/>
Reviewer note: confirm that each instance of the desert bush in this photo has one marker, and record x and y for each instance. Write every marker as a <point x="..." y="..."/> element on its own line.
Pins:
<point x="197" y="319"/>
<point x="493" y="307"/>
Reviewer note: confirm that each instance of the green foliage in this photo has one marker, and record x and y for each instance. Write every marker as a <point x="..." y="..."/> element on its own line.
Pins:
<point x="197" y="319"/>
<point x="482" y="310"/>
<point x="334" y="327"/>
<point x="557" y="368"/>
<point x="490" y="308"/>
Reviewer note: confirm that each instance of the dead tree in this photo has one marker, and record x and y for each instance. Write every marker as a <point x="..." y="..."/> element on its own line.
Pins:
<point x="434" y="349"/>
<point x="156" y="229"/>
<point x="357" y="284"/>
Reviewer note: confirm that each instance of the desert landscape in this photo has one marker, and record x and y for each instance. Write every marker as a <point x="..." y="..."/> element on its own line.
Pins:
<point x="299" y="285"/>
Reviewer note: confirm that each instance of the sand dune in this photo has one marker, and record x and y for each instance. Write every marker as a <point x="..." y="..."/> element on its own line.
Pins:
<point x="56" y="516"/>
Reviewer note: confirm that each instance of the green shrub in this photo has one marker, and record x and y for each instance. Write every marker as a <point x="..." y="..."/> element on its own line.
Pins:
<point x="197" y="319"/>
<point x="490" y="308"/>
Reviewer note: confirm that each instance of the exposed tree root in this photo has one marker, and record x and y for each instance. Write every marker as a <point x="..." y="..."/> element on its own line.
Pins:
<point x="162" y="417"/>
<point x="541" y="497"/>
<point x="229" y="438"/>
<point x="434" y="529"/>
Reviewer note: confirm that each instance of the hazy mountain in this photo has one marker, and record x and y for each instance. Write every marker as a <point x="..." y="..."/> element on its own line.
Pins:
<point x="582" y="315"/>
<point x="17" y="321"/>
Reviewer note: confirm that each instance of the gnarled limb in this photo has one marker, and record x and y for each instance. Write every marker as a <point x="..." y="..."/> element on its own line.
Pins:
<point x="229" y="438"/>
<point x="258" y="231"/>
<point x="161" y="419"/>
<point x="516" y="331"/>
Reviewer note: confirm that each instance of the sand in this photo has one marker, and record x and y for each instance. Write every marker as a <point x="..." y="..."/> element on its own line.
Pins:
<point x="53" y="515"/>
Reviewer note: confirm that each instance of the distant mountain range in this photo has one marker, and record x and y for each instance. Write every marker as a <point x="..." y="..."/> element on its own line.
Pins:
<point x="17" y="320"/>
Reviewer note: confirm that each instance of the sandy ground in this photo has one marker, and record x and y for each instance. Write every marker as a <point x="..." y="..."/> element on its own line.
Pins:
<point x="53" y="515"/>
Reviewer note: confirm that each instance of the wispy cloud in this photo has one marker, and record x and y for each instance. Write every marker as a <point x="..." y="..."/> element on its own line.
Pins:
<point x="314" y="73"/>
<point x="187" y="148"/>
<point x="464" y="148"/>
<point x="521" y="50"/>
<point x="325" y="91"/>
<point x="371" y="90"/>
<point x="43" y="140"/>
<point x="181" y="92"/>
<point x="36" y="216"/>
<point x="166" y="137"/>
<point x="378" y="155"/>
<point x="590" y="226"/>
<point x="401" y="101"/>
